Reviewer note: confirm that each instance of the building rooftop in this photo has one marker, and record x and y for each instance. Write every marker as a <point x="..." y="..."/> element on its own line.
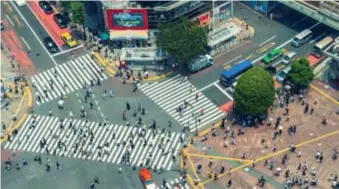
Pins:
<point x="222" y="34"/>
<point x="333" y="50"/>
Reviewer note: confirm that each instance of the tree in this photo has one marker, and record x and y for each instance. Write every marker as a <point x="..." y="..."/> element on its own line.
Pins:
<point x="254" y="92"/>
<point x="184" y="40"/>
<point x="77" y="9"/>
<point x="301" y="74"/>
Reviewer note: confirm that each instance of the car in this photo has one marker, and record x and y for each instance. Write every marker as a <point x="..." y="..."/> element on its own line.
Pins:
<point x="146" y="178"/>
<point x="283" y="74"/>
<point x="60" y="20"/>
<point x="289" y="57"/>
<point x="270" y="69"/>
<point x="50" y="45"/>
<point x="272" y="55"/>
<point x="67" y="37"/>
<point x="46" y="7"/>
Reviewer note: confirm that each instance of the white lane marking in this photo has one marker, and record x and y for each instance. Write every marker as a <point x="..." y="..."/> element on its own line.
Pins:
<point x="41" y="23"/>
<point x="316" y="39"/>
<point x="269" y="39"/>
<point x="68" y="50"/>
<point x="24" y="19"/>
<point x="29" y="48"/>
<point x="10" y="20"/>
<point x="223" y="91"/>
<point x="236" y="58"/>
<point x="299" y="21"/>
<point x="208" y="86"/>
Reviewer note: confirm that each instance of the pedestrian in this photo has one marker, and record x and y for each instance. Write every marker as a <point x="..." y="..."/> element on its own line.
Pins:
<point x="50" y="112"/>
<point x="128" y="107"/>
<point x="197" y="96"/>
<point x="311" y="112"/>
<point x="96" y="180"/>
<point x="120" y="169"/>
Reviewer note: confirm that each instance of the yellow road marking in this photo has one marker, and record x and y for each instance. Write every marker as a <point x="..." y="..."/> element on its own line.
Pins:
<point x="275" y="154"/>
<point x="265" y="48"/>
<point x="9" y="8"/>
<point x="218" y="157"/>
<point x="326" y="95"/>
<point x="17" y="20"/>
<point x="190" y="180"/>
<point x="192" y="165"/>
<point x="207" y="130"/>
<point x="250" y="56"/>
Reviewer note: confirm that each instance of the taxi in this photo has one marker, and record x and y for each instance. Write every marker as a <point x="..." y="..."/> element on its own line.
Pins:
<point x="69" y="39"/>
<point x="146" y="177"/>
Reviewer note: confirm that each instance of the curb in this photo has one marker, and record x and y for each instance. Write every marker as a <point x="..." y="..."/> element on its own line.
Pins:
<point x="23" y="118"/>
<point x="207" y="130"/>
<point x="106" y="65"/>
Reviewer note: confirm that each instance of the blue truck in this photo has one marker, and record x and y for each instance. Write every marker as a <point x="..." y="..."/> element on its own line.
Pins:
<point x="229" y="75"/>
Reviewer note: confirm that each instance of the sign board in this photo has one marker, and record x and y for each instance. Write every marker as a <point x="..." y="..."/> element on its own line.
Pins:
<point x="205" y="19"/>
<point x="127" y="19"/>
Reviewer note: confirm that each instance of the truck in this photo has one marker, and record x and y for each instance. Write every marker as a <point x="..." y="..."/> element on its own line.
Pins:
<point x="200" y="62"/>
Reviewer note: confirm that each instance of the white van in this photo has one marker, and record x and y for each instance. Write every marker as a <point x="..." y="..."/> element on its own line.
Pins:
<point x="302" y="38"/>
<point x="289" y="57"/>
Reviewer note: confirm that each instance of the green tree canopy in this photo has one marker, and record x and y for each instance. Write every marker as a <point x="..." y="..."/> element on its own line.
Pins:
<point x="184" y="40"/>
<point x="301" y="74"/>
<point x="77" y="10"/>
<point x="254" y="92"/>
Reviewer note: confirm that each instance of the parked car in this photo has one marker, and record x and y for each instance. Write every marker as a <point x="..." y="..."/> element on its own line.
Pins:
<point x="270" y="69"/>
<point x="67" y="37"/>
<point x="46" y="7"/>
<point x="273" y="55"/>
<point x="146" y="178"/>
<point x="50" y="45"/>
<point x="60" y="20"/>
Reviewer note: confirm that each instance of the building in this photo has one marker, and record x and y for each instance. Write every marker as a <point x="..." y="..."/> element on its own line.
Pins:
<point x="130" y="22"/>
<point x="333" y="52"/>
<point x="140" y="58"/>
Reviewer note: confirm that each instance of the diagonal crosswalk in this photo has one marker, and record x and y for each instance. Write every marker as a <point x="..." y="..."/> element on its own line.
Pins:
<point x="66" y="78"/>
<point x="172" y="93"/>
<point x="111" y="143"/>
<point x="175" y="184"/>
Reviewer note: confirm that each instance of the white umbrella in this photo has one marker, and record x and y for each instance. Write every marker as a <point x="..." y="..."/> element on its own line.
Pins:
<point x="61" y="103"/>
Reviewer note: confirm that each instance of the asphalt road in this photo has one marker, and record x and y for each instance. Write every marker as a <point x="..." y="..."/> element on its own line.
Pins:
<point x="269" y="34"/>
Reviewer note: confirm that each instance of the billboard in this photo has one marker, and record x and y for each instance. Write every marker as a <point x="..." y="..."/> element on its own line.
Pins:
<point x="223" y="12"/>
<point x="127" y="19"/>
<point x="205" y="19"/>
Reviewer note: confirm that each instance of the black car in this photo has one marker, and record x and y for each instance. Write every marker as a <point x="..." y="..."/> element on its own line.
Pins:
<point x="272" y="70"/>
<point x="46" y="7"/>
<point x="60" y="20"/>
<point x="50" y="45"/>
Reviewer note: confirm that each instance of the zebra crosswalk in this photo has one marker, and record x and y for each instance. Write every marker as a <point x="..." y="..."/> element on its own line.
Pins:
<point x="175" y="184"/>
<point x="174" y="92"/>
<point x="86" y="140"/>
<point x="66" y="78"/>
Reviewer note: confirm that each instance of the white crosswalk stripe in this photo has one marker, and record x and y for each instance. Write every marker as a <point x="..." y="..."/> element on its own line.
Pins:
<point x="111" y="141"/>
<point x="174" y="184"/>
<point x="173" y="92"/>
<point x="66" y="78"/>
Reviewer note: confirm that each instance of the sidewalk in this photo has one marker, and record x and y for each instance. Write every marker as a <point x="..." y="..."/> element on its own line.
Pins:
<point x="16" y="97"/>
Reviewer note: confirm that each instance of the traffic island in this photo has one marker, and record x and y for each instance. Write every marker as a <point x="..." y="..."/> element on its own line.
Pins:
<point x="112" y="66"/>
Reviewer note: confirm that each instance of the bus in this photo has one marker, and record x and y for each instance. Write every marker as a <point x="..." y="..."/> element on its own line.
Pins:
<point x="200" y="62"/>
<point x="302" y="38"/>
<point x="321" y="46"/>
<point x="229" y="76"/>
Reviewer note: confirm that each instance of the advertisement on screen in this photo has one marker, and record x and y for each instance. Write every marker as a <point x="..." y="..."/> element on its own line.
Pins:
<point x="127" y="19"/>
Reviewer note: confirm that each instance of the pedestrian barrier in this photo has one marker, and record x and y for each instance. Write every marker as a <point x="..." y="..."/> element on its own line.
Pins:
<point x="225" y="47"/>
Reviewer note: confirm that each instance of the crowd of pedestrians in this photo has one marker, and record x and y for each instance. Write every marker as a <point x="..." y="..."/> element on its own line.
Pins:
<point x="303" y="175"/>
